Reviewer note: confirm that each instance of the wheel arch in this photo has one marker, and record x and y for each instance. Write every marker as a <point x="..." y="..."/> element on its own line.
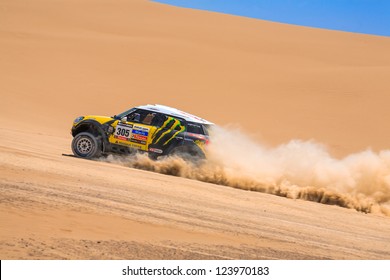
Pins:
<point x="95" y="128"/>
<point x="91" y="126"/>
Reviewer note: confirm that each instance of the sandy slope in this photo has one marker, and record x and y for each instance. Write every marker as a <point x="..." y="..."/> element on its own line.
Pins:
<point x="61" y="59"/>
<point x="61" y="207"/>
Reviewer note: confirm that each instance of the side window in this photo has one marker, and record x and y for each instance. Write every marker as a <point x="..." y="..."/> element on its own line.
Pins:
<point x="134" y="116"/>
<point x="195" y="128"/>
<point x="172" y="123"/>
<point x="158" y="120"/>
<point x="206" y="129"/>
<point x="148" y="119"/>
<point x="142" y="117"/>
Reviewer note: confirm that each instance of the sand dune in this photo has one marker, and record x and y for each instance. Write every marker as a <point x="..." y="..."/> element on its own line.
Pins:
<point x="61" y="59"/>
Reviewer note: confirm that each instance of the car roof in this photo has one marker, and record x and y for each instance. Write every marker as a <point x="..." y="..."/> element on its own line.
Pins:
<point x="174" y="112"/>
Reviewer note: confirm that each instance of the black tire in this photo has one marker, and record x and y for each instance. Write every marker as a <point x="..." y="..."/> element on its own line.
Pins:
<point x="188" y="153"/>
<point x="152" y="156"/>
<point x="85" y="145"/>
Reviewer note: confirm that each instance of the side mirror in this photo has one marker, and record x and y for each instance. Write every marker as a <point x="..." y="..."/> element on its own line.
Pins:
<point x="124" y="120"/>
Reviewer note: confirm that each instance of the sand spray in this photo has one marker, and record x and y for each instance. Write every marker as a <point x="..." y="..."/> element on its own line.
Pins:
<point x="297" y="170"/>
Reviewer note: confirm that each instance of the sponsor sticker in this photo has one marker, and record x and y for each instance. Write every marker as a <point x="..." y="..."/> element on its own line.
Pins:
<point x="140" y="132"/>
<point x="132" y="145"/>
<point x="156" y="150"/>
<point x="137" y="127"/>
<point x="139" y="137"/>
<point x="120" y="138"/>
<point x="138" y="141"/>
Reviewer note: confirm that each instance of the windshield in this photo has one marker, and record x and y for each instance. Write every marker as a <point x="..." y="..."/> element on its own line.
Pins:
<point x="124" y="114"/>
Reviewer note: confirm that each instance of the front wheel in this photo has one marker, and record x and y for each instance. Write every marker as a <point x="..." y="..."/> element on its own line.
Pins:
<point x="86" y="145"/>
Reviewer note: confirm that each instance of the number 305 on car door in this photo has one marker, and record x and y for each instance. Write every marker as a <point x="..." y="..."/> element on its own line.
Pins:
<point x="123" y="132"/>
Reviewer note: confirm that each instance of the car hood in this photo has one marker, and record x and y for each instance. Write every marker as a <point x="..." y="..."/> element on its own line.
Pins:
<point x="99" y="119"/>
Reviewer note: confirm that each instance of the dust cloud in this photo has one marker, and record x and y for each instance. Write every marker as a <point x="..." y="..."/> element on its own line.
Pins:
<point x="297" y="170"/>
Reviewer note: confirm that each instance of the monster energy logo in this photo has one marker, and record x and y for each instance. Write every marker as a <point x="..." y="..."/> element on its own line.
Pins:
<point x="168" y="131"/>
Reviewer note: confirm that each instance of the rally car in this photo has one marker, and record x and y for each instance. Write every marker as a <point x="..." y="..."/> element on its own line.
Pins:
<point x="156" y="129"/>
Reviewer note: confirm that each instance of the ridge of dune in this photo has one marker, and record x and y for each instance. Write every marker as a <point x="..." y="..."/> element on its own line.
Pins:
<point x="65" y="58"/>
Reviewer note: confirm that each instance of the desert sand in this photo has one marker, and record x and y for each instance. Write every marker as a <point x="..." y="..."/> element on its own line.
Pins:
<point x="66" y="58"/>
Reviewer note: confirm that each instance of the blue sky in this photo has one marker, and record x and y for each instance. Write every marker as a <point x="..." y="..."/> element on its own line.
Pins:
<point x="361" y="16"/>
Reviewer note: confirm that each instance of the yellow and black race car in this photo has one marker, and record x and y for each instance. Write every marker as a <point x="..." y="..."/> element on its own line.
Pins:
<point x="156" y="129"/>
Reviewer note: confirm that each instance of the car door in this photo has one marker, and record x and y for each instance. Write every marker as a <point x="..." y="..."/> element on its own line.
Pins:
<point x="167" y="134"/>
<point x="134" y="130"/>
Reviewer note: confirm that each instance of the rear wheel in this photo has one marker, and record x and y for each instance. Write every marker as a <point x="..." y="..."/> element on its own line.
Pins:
<point x="188" y="153"/>
<point x="86" y="145"/>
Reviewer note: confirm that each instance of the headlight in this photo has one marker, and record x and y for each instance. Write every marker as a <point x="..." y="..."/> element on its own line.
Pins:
<point x="110" y="129"/>
<point x="79" y="119"/>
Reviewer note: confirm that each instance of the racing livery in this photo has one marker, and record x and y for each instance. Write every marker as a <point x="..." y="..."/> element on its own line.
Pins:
<point x="156" y="129"/>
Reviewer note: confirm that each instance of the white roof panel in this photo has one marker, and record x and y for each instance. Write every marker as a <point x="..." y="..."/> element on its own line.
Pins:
<point x="174" y="112"/>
